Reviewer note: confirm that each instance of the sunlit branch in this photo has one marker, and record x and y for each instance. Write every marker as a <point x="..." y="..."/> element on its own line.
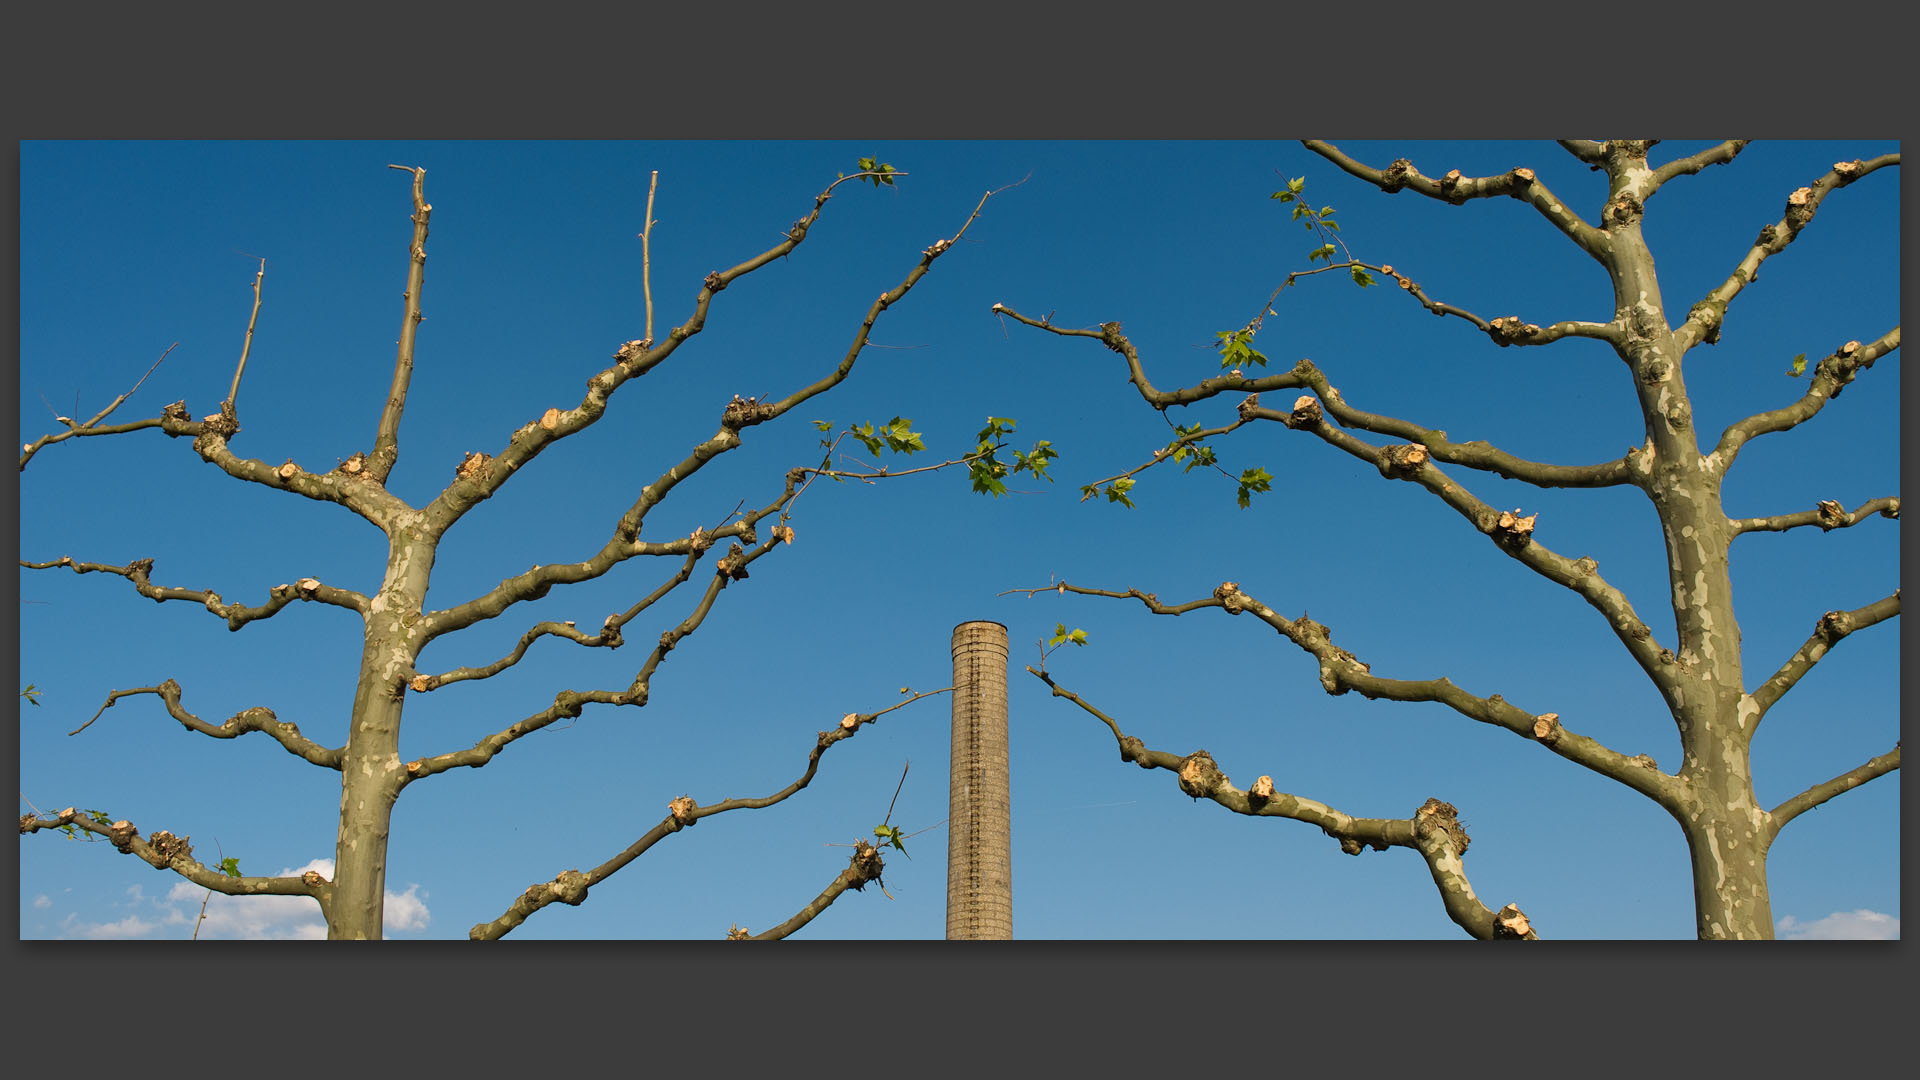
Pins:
<point x="1477" y="454"/>
<point x="1506" y="329"/>
<point x="1828" y="515"/>
<point x="1510" y="532"/>
<point x="1586" y="150"/>
<point x="246" y="345"/>
<point x="349" y="484"/>
<point x="165" y="851"/>
<point x="386" y="440"/>
<point x="1832" y="626"/>
<point x="482" y="475"/>
<point x="1693" y="163"/>
<point x="569" y="704"/>
<point x="259" y="718"/>
<point x="1830" y="376"/>
<point x="538" y="581"/>
<point x="1819" y="793"/>
<point x="90" y="427"/>
<point x="571" y="886"/>
<point x="865" y="866"/>
<point x="646" y="253"/>
<point x="1109" y="334"/>
<point x="1341" y="671"/>
<point x="1704" y="320"/>
<point x="1519" y="183"/>
<point x="1434" y="831"/>
<point x="608" y="637"/>
<point x="236" y="615"/>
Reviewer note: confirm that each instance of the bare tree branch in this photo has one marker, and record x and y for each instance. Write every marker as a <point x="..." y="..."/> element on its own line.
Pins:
<point x="1510" y="532"/>
<point x="246" y="345"/>
<point x="236" y="615"/>
<point x="1519" y="183"/>
<point x="1829" y="515"/>
<point x="865" y="866"/>
<point x="386" y="439"/>
<point x="1830" y="376"/>
<point x="1434" y="831"/>
<point x="165" y="851"/>
<point x="1341" y="671"/>
<point x="1687" y="166"/>
<point x="646" y="253"/>
<point x="571" y="886"/>
<point x="1778" y="817"/>
<point x="1832" y="626"/>
<point x="89" y="428"/>
<point x="260" y="718"/>
<point x="1307" y="414"/>
<point x="1704" y="320"/>
<point x="1586" y="150"/>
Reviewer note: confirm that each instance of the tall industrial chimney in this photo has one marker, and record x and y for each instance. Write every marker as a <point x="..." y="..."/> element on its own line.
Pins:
<point x="979" y="846"/>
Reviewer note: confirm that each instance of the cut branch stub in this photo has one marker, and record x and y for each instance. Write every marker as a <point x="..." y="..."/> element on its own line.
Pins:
<point x="1245" y="408"/>
<point x="682" y="809"/>
<point x="1511" y="530"/>
<point x="1436" y="816"/>
<point x="1396" y="175"/>
<point x="1800" y="209"/>
<point x="569" y="888"/>
<point x="739" y="933"/>
<point x="1229" y="596"/>
<point x="1261" y="791"/>
<point x="167" y="847"/>
<point x="1132" y="749"/>
<point x="1832" y="515"/>
<point x="473" y="466"/>
<point x="1199" y="776"/>
<point x="1510" y="330"/>
<point x="1546" y="726"/>
<point x="866" y="865"/>
<point x="1624" y="210"/>
<point x="1511" y="922"/>
<point x="1305" y="414"/>
<point x="1403" y="462"/>
<point x="1835" y="625"/>
<point x="122" y="833"/>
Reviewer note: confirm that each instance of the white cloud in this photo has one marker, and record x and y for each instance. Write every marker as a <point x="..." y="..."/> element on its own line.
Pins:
<point x="43" y="901"/>
<point x="250" y="918"/>
<point x="1861" y="925"/>
<point x="133" y="926"/>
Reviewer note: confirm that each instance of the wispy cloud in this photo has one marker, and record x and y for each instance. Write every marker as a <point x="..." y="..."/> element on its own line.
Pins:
<point x="1861" y="925"/>
<point x="43" y="901"/>
<point x="248" y="918"/>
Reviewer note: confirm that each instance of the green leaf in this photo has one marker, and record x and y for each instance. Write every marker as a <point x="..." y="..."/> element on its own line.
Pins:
<point x="1798" y="369"/>
<point x="1202" y="456"/>
<point x="901" y="438"/>
<point x="229" y="866"/>
<point x="890" y="835"/>
<point x="32" y="695"/>
<point x="1334" y="225"/>
<point x="1036" y="460"/>
<point x="1253" y="481"/>
<point x="100" y="817"/>
<point x="1117" y="492"/>
<point x="1296" y="184"/>
<point x="823" y="425"/>
<point x="1284" y="196"/>
<point x="1361" y="277"/>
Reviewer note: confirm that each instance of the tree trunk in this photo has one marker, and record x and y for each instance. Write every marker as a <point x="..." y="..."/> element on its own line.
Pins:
<point x="372" y="773"/>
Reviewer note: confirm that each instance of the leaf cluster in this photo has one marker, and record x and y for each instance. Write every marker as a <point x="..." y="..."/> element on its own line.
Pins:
<point x="988" y="473"/>
<point x="1320" y="221"/>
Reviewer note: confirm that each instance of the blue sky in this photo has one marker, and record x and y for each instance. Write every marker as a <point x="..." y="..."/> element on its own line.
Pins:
<point x="534" y="277"/>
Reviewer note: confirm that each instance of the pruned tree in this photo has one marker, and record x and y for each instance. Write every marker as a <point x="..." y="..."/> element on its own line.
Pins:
<point x="399" y="624"/>
<point x="1695" y="663"/>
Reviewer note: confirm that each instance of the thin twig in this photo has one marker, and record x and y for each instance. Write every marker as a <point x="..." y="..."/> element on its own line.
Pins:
<point x="246" y="347"/>
<point x="646" y="253"/>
